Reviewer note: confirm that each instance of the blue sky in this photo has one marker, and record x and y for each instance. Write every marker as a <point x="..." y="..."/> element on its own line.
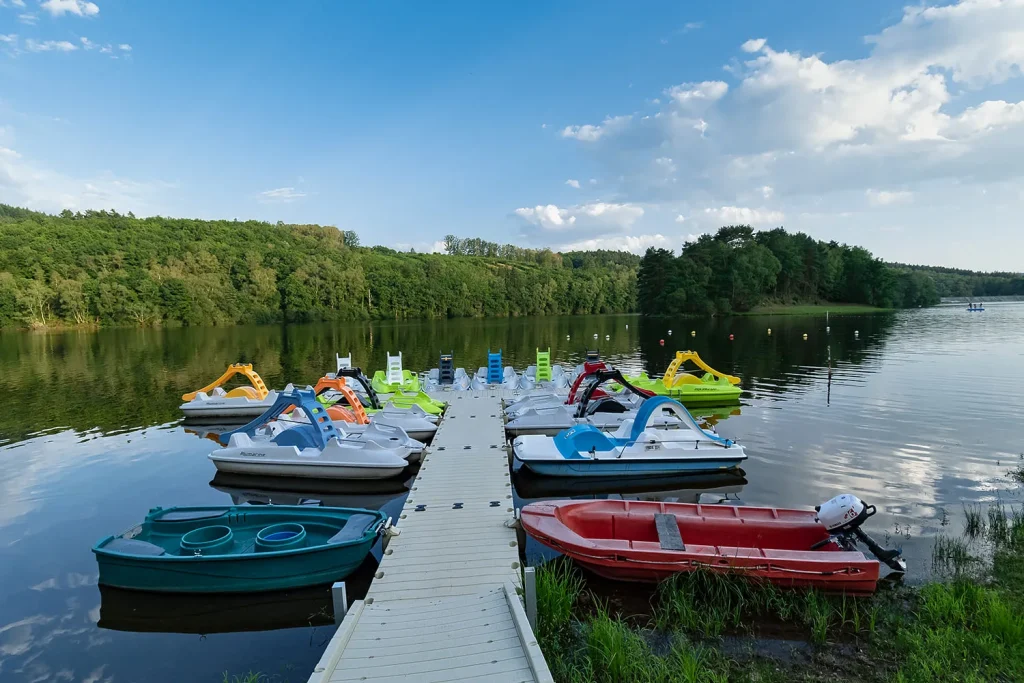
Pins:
<point x="586" y="124"/>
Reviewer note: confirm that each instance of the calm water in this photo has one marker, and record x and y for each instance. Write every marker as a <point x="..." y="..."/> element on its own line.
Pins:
<point x="923" y="415"/>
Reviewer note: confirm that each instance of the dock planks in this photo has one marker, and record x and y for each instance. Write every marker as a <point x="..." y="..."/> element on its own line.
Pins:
<point x="442" y="605"/>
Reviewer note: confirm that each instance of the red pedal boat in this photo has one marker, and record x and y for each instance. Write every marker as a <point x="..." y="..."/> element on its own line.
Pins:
<point x="651" y="541"/>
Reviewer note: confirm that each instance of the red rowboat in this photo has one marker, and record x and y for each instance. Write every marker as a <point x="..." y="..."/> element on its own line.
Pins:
<point x="651" y="541"/>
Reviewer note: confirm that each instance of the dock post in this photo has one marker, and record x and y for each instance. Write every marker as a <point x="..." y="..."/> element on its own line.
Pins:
<point x="340" y="598"/>
<point x="530" y="595"/>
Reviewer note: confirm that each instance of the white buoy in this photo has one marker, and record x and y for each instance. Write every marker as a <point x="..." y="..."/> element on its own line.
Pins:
<point x="566" y="336"/>
<point x="856" y="333"/>
<point x="769" y="331"/>
<point x="607" y="337"/>
<point x="670" y="333"/>
<point x="805" y="335"/>
<point x="693" y="333"/>
<point x="828" y="330"/>
<point x="627" y="327"/>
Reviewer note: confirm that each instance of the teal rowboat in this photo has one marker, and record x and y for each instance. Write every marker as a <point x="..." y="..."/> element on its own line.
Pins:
<point x="238" y="549"/>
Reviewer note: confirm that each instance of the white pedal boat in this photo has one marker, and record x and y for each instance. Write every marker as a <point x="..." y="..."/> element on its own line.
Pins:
<point x="381" y="433"/>
<point x="212" y="401"/>
<point x="313" y="449"/>
<point x="636" y="449"/>
<point x="336" y="390"/>
<point x="549" y="399"/>
<point x="605" y="413"/>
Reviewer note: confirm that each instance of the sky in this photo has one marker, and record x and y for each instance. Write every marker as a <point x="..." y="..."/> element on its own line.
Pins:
<point x="597" y="124"/>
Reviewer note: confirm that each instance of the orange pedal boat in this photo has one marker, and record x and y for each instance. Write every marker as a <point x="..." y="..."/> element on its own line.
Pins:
<point x="651" y="541"/>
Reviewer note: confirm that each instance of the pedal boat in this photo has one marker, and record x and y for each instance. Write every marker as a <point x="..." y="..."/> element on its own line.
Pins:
<point x="243" y="549"/>
<point x="268" y="447"/>
<point x="634" y="450"/>
<point x="690" y="389"/>
<point x="212" y="401"/>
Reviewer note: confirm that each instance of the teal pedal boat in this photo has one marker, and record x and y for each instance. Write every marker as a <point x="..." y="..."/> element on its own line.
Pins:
<point x="238" y="549"/>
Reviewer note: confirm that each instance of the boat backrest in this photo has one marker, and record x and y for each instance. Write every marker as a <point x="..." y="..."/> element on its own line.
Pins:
<point x="355" y="528"/>
<point x="574" y="441"/>
<point x="446" y="368"/>
<point x="395" y="369"/>
<point x="494" y="367"/>
<point x="593" y="355"/>
<point x="344" y="363"/>
<point x="543" y="372"/>
<point x="320" y="428"/>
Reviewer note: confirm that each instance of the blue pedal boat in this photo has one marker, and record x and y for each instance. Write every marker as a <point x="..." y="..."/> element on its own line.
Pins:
<point x="238" y="549"/>
<point x="635" y="449"/>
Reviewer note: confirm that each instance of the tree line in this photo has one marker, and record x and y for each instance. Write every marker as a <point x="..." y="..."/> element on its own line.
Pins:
<point x="101" y="267"/>
<point x="738" y="268"/>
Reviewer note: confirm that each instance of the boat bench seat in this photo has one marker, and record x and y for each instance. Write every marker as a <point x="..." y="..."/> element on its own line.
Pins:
<point x="130" y="546"/>
<point x="668" y="532"/>
<point x="354" y="528"/>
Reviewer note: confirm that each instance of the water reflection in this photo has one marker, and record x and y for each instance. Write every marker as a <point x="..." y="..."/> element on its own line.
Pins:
<point x="125" y="610"/>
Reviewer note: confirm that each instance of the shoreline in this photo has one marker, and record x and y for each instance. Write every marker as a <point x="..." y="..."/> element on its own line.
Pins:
<point x="710" y="627"/>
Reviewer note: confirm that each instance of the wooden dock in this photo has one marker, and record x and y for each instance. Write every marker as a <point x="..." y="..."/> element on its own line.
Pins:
<point x="443" y="604"/>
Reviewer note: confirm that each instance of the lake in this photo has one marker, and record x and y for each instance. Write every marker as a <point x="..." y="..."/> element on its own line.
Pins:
<point x="922" y="415"/>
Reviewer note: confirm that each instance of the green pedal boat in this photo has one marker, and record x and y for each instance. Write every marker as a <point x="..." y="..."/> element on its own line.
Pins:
<point x="238" y="549"/>
<point x="395" y="378"/>
<point x="691" y="389"/>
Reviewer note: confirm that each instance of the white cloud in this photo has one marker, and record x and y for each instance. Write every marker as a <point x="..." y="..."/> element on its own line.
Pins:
<point x="753" y="45"/>
<point x="106" y="50"/>
<point x="86" y="43"/>
<point x="573" y="183"/>
<point x="707" y="90"/>
<point x="13" y="3"/>
<point x="25" y="183"/>
<point x="742" y="215"/>
<point x="124" y="47"/>
<point x="592" y="133"/>
<point x="680" y="218"/>
<point x="9" y="39"/>
<point x="81" y="8"/>
<point x="593" y="181"/>
<point x="666" y="164"/>
<point x="692" y="26"/>
<point x="596" y="217"/>
<point x="283" y="195"/>
<point x="50" y="46"/>
<point x="886" y="197"/>
<point x="637" y="244"/>
<point x="767" y="191"/>
<point x="28" y="18"/>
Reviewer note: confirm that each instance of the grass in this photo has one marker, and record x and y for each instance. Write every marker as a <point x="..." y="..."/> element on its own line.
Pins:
<point x="251" y="677"/>
<point x="812" y="309"/>
<point x="709" y="627"/>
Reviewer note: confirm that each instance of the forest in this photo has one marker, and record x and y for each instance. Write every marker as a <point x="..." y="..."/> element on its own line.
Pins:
<point x="104" y="268"/>
<point x="101" y="267"/>
<point x="738" y="269"/>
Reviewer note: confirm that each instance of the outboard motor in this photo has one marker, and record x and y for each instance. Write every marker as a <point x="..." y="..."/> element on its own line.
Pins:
<point x="843" y="517"/>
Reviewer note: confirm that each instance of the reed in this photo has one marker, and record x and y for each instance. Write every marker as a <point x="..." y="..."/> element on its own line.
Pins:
<point x="974" y="521"/>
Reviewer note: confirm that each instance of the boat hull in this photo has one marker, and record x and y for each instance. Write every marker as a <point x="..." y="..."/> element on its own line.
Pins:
<point x="306" y="470"/>
<point x="626" y="468"/>
<point x="214" y="409"/>
<point x="701" y="393"/>
<point x="239" y="567"/>
<point x="619" y="540"/>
